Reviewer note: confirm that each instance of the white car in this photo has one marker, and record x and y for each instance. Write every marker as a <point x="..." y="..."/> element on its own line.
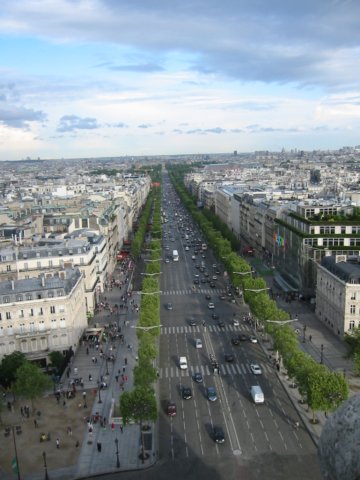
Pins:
<point x="236" y="322"/>
<point x="186" y="249"/>
<point x="255" y="368"/>
<point x="253" y="339"/>
<point x="211" y="305"/>
<point x="193" y="257"/>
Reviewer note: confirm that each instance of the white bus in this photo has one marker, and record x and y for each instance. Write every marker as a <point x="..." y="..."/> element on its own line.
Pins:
<point x="175" y="256"/>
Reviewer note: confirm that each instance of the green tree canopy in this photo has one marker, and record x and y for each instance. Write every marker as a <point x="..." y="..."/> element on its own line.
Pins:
<point x="138" y="404"/>
<point x="9" y="366"/>
<point x="31" y="382"/>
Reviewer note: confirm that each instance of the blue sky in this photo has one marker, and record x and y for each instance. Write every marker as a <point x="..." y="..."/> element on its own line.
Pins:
<point x="86" y="78"/>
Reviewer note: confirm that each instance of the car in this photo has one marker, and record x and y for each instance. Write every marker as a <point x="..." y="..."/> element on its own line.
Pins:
<point x="236" y="322"/>
<point x="214" y="265"/>
<point x="221" y="324"/>
<point x="186" y="248"/>
<point x="167" y="260"/>
<point x="214" y="277"/>
<point x="196" y="281"/>
<point x="217" y="272"/>
<point x="198" y="343"/>
<point x="253" y="339"/>
<point x="206" y="274"/>
<point x="197" y="377"/>
<point x="215" y="316"/>
<point x="207" y="297"/>
<point x="211" y="305"/>
<point x="167" y="248"/>
<point x="169" y="306"/>
<point x="218" y="434"/>
<point x="255" y="369"/>
<point x="203" y="256"/>
<point x="212" y="285"/>
<point x="197" y="266"/>
<point x="211" y="394"/>
<point x="171" y="409"/>
<point x="193" y="257"/>
<point x="186" y="393"/>
<point x="203" y="280"/>
<point x="202" y="269"/>
<point x="196" y="275"/>
<point x="192" y="322"/>
<point x="229" y="357"/>
<point x="222" y="297"/>
<point x="235" y="340"/>
<point x="243" y="337"/>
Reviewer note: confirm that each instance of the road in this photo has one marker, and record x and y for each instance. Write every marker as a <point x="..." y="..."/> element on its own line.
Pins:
<point x="261" y="441"/>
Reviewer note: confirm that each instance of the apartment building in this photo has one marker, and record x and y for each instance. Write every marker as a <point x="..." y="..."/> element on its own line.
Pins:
<point x="42" y="314"/>
<point x="83" y="249"/>
<point x="338" y="293"/>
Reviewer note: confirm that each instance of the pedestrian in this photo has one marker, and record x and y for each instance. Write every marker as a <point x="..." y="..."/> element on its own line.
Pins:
<point x="124" y="368"/>
<point x="87" y="351"/>
<point x="98" y="446"/>
<point x="125" y="361"/>
<point x="22" y="411"/>
<point x="90" y="377"/>
<point x="121" y="428"/>
<point x="310" y="338"/>
<point x="57" y="443"/>
<point x="35" y="423"/>
<point x="112" y="426"/>
<point x="77" y="444"/>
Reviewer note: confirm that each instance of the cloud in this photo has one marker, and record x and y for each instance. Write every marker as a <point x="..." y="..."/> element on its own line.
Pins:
<point x="20" y="117"/>
<point x="148" y="67"/>
<point x="144" y="125"/>
<point x="71" y="123"/>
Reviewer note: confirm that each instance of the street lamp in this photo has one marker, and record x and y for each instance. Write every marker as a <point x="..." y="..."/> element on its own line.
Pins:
<point x="321" y="353"/>
<point x="256" y="290"/>
<point x="117" y="453"/>
<point x="107" y="368"/>
<point x="146" y="329"/>
<point x="244" y="273"/>
<point x="99" y="401"/>
<point x="45" y="466"/>
<point x="151" y="274"/>
<point x="304" y="331"/>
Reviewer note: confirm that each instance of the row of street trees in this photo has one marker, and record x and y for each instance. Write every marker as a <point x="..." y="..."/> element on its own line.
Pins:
<point x="323" y="390"/>
<point x="139" y="404"/>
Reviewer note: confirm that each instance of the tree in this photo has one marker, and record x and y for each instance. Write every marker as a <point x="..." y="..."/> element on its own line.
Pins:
<point x="140" y="405"/>
<point x="9" y="366"/>
<point x="57" y="361"/>
<point x="31" y="382"/>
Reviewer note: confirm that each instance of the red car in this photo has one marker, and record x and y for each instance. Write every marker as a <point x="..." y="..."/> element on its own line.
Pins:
<point x="171" y="409"/>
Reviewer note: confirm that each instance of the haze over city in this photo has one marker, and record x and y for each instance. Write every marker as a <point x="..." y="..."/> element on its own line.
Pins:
<point x="108" y="78"/>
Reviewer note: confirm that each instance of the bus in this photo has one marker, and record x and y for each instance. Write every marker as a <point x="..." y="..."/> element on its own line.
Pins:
<point x="175" y="256"/>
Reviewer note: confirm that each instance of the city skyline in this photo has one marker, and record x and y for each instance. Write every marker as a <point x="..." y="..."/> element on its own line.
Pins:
<point x="110" y="78"/>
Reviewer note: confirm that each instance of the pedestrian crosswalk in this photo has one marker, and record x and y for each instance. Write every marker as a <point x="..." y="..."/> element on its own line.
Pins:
<point x="184" y="329"/>
<point x="205" y="370"/>
<point x="188" y="291"/>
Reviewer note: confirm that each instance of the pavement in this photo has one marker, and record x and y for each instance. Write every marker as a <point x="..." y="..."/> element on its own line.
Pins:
<point x="120" y="445"/>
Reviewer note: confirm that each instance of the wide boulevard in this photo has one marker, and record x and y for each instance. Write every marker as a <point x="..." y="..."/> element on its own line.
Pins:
<point x="261" y="441"/>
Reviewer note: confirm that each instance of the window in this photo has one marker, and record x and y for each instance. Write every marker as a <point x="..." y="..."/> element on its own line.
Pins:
<point x="1" y="331"/>
<point x="351" y="325"/>
<point x="53" y="324"/>
<point x="32" y="326"/>
<point x="55" y="340"/>
<point x="62" y="323"/>
<point x="33" y="344"/>
<point x="38" y="264"/>
<point x="31" y="312"/>
<point x="24" y="346"/>
<point x="41" y="311"/>
<point x="28" y="296"/>
<point x="6" y="299"/>
<point x="61" y="308"/>
<point x="52" y="309"/>
<point x="21" y="314"/>
<point x="22" y="328"/>
<point x="42" y="325"/>
<point x="82" y="261"/>
<point x="26" y="266"/>
<point x="60" y="293"/>
<point x="19" y="298"/>
<point x="352" y="309"/>
<point x="51" y="294"/>
<point x="8" y="315"/>
<point x="10" y="330"/>
<point x="50" y="263"/>
<point x="8" y="268"/>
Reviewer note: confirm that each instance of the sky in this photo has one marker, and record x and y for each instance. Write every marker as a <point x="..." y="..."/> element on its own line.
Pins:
<point x="99" y="78"/>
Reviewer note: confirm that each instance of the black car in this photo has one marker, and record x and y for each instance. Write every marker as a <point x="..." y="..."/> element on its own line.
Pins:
<point x="208" y="297"/>
<point x="192" y="322"/>
<point x="197" y="377"/>
<point x="215" y="316"/>
<point x="218" y="434"/>
<point x="229" y="357"/>
<point x="196" y="281"/>
<point x="212" y="284"/>
<point x="186" y="393"/>
<point x="243" y="337"/>
<point x="235" y="340"/>
<point x="221" y="324"/>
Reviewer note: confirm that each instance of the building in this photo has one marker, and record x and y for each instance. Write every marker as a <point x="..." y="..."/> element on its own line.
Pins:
<point x="338" y="293"/>
<point x="42" y="314"/>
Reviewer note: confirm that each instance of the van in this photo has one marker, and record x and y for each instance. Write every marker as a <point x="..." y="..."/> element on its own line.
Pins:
<point x="198" y="343"/>
<point x="183" y="363"/>
<point x="257" y="394"/>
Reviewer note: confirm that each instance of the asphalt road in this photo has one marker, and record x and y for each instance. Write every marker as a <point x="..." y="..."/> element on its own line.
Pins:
<point x="261" y="441"/>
